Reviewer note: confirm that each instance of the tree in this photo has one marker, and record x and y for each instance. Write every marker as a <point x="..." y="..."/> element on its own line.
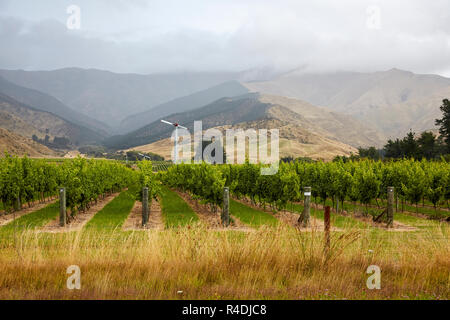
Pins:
<point x="444" y="123"/>
<point x="393" y="149"/>
<point x="427" y="145"/>
<point x="370" y="153"/>
<point x="61" y="142"/>
<point x="409" y="145"/>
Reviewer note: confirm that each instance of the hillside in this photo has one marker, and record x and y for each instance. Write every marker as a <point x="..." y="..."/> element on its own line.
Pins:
<point x="44" y="102"/>
<point x="111" y="97"/>
<point x="27" y="121"/>
<point x="392" y="101"/>
<point x="15" y="144"/>
<point x="190" y="102"/>
<point x="305" y="130"/>
<point x="295" y="143"/>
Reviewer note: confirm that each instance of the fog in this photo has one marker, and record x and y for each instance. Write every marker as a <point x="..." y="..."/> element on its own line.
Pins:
<point x="172" y="36"/>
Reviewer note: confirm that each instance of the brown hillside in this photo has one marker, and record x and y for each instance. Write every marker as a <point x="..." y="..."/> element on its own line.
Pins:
<point x="17" y="145"/>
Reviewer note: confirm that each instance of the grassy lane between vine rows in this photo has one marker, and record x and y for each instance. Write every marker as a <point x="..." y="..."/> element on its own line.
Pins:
<point x="175" y="211"/>
<point x="402" y="217"/>
<point x="250" y="216"/>
<point x="337" y="220"/>
<point x="408" y="208"/>
<point x="114" y="214"/>
<point x="33" y="220"/>
<point x="439" y="213"/>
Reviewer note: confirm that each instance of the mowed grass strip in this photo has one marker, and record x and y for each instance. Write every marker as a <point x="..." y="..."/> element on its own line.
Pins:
<point x="114" y="214"/>
<point x="337" y="220"/>
<point x="176" y="212"/>
<point x="250" y="216"/>
<point x="34" y="219"/>
<point x="402" y="217"/>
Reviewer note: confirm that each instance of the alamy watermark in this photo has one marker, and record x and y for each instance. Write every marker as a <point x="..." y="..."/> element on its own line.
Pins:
<point x="374" y="281"/>
<point x="74" y="20"/>
<point x="373" y="20"/>
<point x="74" y="280"/>
<point x="238" y="144"/>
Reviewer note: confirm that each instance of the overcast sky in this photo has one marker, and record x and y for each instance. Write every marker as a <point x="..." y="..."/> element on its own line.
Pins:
<point x="189" y="35"/>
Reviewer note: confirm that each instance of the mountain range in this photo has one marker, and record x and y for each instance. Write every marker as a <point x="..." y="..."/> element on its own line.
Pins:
<point x="27" y="121"/>
<point x="393" y="101"/>
<point x="111" y="97"/>
<point x="303" y="125"/>
<point x="333" y="112"/>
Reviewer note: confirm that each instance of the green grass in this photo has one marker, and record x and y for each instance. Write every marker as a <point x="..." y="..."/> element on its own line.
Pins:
<point x="407" y="207"/>
<point x="415" y="221"/>
<point x="250" y="216"/>
<point x="336" y="219"/>
<point x="34" y="219"/>
<point x="345" y="222"/>
<point x="114" y="214"/>
<point x="176" y="212"/>
<point x="425" y="210"/>
<point x="374" y="211"/>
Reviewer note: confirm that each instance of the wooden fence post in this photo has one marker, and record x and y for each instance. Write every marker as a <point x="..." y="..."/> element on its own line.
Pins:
<point x="390" y="208"/>
<point x="226" y="207"/>
<point x="18" y="204"/>
<point x="62" y="207"/>
<point x="327" y="226"/>
<point x="144" y="206"/>
<point x="304" y="218"/>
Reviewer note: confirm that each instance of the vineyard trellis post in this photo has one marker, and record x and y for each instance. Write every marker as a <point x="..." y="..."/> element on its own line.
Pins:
<point x="327" y="226"/>
<point x="390" y="208"/>
<point x="144" y="206"/>
<point x="306" y="214"/>
<point x="18" y="204"/>
<point x="226" y="207"/>
<point x="62" y="207"/>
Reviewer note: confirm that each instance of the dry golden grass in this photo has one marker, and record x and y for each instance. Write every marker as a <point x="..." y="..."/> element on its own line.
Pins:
<point x="270" y="263"/>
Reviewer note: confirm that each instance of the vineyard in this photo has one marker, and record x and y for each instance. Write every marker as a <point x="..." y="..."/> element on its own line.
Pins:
<point x="363" y="182"/>
<point x="183" y="245"/>
<point x="24" y="181"/>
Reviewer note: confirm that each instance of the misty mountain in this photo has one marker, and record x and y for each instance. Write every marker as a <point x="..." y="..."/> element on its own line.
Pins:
<point x="45" y="102"/>
<point x="221" y="112"/>
<point x="193" y="101"/>
<point x="111" y="97"/>
<point x="392" y="101"/>
<point x="26" y="121"/>
<point x="304" y="129"/>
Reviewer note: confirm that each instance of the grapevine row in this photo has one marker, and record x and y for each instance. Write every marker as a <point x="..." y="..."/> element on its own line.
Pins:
<point x="362" y="181"/>
<point x="24" y="180"/>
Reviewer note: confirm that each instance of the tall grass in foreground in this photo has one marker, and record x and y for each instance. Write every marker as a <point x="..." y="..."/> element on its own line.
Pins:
<point x="269" y="263"/>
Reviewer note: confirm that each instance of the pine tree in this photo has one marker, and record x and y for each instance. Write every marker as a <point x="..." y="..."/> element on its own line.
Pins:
<point x="444" y="123"/>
